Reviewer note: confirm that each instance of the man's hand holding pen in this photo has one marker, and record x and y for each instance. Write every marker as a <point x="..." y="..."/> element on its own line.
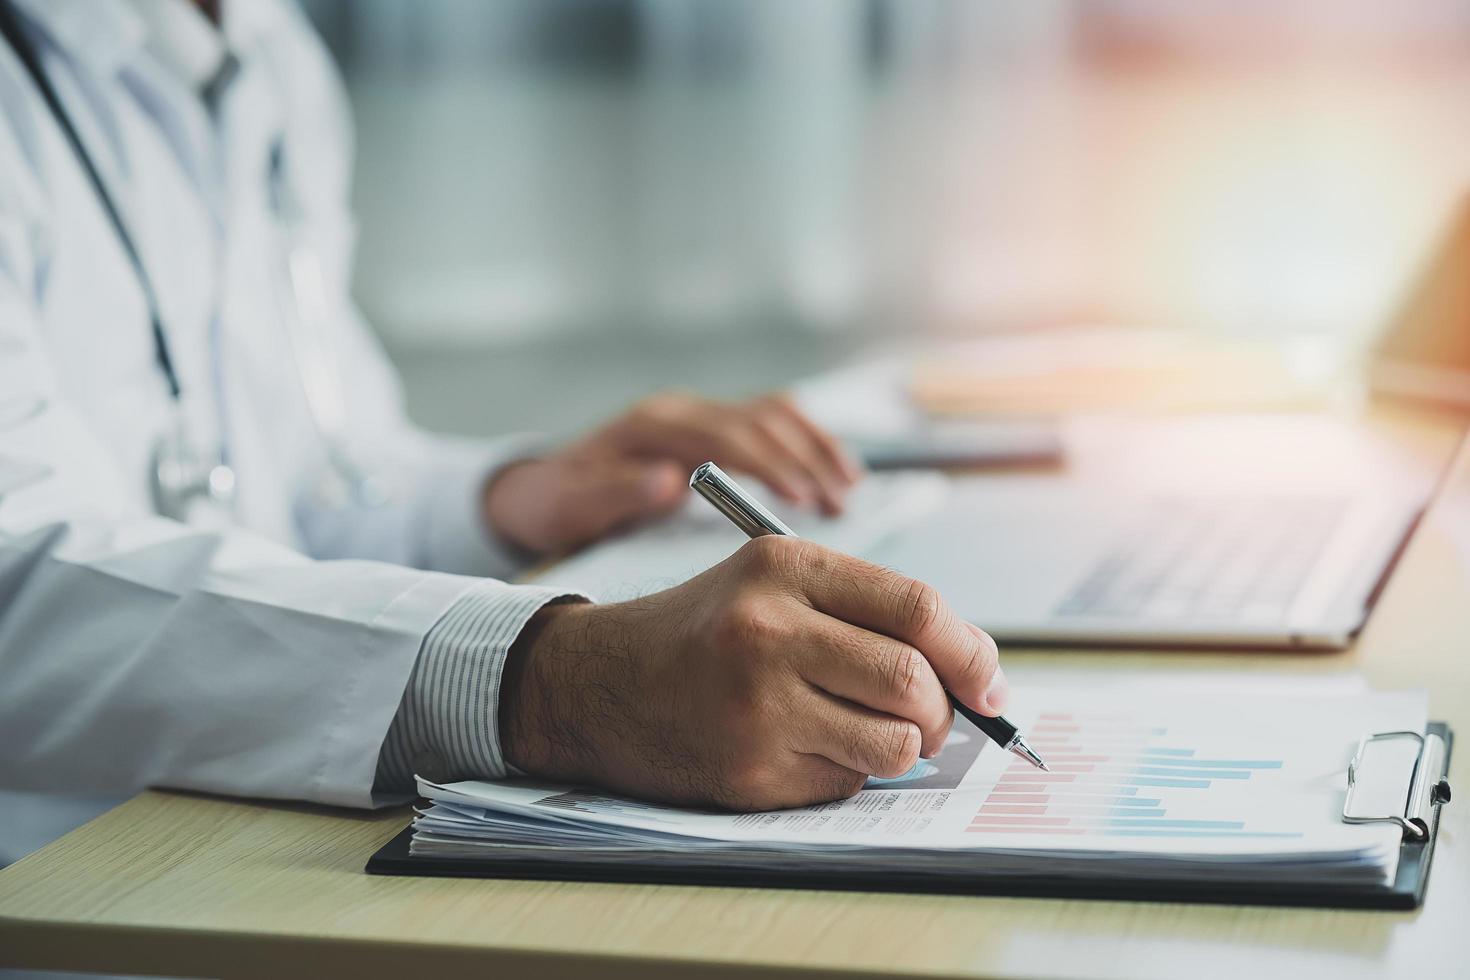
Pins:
<point x="785" y="675"/>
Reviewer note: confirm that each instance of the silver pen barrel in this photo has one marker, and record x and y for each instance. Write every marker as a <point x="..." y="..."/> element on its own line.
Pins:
<point x="711" y="483"/>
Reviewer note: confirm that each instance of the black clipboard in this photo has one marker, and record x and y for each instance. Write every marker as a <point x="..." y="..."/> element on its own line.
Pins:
<point x="1405" y="892"/>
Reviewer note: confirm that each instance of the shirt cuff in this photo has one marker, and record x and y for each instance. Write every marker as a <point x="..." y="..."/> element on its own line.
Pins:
<point x="455" y="536"/>
<point x="448" y="723"/>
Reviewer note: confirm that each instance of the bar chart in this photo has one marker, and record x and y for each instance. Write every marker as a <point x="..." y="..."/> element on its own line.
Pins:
<point x="1113" y="777"/>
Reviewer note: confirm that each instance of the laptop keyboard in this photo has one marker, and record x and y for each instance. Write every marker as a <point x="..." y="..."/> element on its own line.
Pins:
<point x="1235" y="559"/>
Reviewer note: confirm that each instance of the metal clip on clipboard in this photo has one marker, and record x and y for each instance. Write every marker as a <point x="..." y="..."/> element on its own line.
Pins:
<point x="1427" y="786"/>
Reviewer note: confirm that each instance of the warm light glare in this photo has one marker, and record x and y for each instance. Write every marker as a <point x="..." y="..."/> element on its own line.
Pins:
<point x="1270" y="207"/>
<point x="903" y="166"/>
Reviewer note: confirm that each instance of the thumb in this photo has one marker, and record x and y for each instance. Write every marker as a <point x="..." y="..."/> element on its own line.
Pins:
<point x="616" y="492"/>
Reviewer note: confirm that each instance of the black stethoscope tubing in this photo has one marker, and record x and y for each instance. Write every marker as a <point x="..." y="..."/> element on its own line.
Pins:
<point x="15" y="34"/>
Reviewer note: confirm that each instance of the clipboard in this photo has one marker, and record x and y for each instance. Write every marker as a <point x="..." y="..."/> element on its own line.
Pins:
<point x="1418" y="822"/>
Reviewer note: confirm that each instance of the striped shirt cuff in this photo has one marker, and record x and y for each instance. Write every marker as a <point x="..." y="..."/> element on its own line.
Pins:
<point x="448" y="723"/>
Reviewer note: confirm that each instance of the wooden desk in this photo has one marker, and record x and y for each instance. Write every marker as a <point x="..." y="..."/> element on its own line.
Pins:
<point x="181" y="884"/>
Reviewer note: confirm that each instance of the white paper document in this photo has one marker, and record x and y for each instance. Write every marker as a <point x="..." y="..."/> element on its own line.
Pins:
<point x="660" y="555"/>
<point x="1169" y="782"/>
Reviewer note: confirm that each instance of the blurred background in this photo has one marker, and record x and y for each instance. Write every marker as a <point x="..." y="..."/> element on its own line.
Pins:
<point x="629" y="194"/>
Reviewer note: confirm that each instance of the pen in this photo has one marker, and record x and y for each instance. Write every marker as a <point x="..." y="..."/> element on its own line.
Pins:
<point x="747" y="513"/>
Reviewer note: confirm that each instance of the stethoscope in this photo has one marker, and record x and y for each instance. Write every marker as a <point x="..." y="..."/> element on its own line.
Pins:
<point x="185" y="478"/>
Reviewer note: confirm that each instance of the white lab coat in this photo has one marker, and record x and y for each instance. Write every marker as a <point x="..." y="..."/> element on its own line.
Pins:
<point x="137" y="651"/>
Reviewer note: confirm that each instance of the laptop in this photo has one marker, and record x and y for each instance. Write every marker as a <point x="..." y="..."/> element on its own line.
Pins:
<point x="1293" y="557"/>
<point x="1277" y="561"/>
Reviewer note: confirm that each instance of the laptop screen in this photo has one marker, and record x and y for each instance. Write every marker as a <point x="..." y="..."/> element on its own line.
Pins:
<point x="1455" y="494"/>
<point x="1451" y="507"/>
<point x="1426" y="350"/>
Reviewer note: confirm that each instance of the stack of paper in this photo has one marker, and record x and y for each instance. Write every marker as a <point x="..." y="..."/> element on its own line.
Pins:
<point x="1166" y="783"/>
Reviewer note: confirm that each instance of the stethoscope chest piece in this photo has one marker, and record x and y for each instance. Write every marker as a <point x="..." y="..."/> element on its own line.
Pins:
<point x="189" y="484"/>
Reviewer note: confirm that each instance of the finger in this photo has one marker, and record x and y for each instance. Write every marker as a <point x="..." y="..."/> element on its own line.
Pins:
<point x="804" y="779"/>
<point x="778" y="448"/>
<point x="817" y="779"/>
<point x="667" y="435"/>
<point x="855" y="737"/>
<point x="998" y="694"/>
<point x="604" y="495"/>
<point x="830" y="446"/>
<point x="882" y="600"/>
<point x="693" y="431"/>
<point x="669" y="425"/>
<point x="794" y="444"/>
<point x="746" y="450"/>
<point x="877" y="672"/>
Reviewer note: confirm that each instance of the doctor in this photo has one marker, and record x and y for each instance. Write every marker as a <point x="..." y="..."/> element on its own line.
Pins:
<point x="227" y="561"/>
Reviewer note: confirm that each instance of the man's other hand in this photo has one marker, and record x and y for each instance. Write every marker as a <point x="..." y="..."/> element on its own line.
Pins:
<point x="784" y="676"/>
<point x="637" y="467"/>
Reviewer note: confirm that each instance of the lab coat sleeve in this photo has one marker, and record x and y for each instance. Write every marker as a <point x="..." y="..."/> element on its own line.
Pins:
<point x="431" y="515"/>
<point x="136" y="651"/>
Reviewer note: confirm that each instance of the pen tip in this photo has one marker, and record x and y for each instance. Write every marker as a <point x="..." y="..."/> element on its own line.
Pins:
<point x="1026" y="752"/>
